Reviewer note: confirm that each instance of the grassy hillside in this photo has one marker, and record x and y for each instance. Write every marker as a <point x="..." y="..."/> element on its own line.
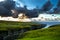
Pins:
<point x="52" y="33"/>
<point x="6" y="25"/>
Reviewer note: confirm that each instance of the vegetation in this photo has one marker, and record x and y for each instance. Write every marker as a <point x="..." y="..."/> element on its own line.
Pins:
<point x="6" y="25"/>
<point x="52" y="33"/>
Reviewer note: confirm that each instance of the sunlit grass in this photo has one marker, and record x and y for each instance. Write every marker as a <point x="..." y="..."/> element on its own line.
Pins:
<point x="52" y="33"/>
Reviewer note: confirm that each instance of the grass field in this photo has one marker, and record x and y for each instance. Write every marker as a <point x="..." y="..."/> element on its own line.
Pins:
<point x="6" y="25"/>
<point x="52" y="33"/>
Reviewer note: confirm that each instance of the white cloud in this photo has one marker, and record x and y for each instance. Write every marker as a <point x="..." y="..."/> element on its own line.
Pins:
<point x="2" y="0"/>
<point x="21" y="4"/>
<point x="14" y="0"/>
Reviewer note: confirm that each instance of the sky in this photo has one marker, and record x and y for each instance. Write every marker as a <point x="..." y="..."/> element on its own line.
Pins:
<point x="33" y="3"/>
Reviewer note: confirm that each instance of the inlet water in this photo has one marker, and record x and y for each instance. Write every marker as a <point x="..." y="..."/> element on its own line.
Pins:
<point x="49" y="23"/>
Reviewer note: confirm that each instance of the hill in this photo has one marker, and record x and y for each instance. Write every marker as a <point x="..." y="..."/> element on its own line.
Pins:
<point x="11" y="30"/>
<point x="6" y="25"/>
<point x="35" y="32"/>
<point x="52" y="33"/>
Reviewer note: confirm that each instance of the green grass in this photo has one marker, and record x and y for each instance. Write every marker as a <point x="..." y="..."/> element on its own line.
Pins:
<point x="52" y="33"/>
<point x="6" y="25"/>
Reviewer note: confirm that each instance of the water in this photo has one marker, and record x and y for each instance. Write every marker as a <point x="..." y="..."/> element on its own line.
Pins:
<point x="49" y="23"/>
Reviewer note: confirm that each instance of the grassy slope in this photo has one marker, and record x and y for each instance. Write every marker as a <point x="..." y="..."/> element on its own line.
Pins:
<point x="52" y="33"/>
<point x="6" y="25"/>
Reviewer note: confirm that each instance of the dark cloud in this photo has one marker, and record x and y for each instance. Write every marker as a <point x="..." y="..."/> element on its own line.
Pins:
<point x="6" y="7"/>
<point x="4" y="11"/>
